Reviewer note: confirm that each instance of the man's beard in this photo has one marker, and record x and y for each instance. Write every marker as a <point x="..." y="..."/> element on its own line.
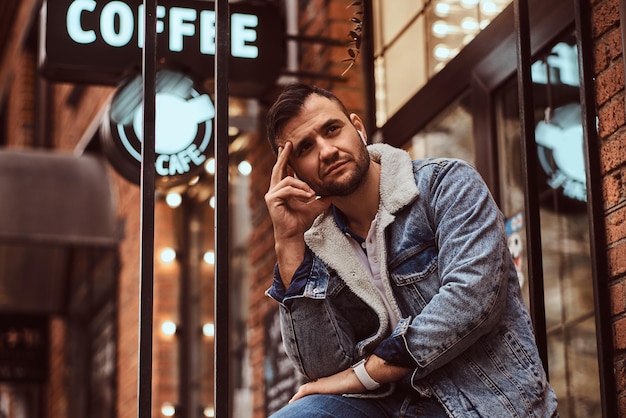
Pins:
<point x="354" y="180"/>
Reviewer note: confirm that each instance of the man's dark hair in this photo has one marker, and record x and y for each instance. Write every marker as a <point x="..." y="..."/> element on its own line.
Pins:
<point x="288" y="106"/>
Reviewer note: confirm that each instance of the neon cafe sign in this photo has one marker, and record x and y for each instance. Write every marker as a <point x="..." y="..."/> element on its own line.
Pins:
<point x="184" y="127"/>
<point x="99" y="42"/>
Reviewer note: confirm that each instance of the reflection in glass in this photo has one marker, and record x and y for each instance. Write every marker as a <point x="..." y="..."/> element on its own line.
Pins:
<point x="415" y="39"/>
<point x="448" y="135"/>
<point x="568" y="292"/>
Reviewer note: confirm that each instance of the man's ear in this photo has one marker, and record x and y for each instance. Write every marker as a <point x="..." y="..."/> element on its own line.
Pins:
<point x="362" y="137"/>
<point x="358" y="125"/>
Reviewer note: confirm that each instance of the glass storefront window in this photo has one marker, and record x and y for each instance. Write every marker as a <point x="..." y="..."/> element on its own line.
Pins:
<point x="448" y="135"/>
<point x="567" y="269"/>
<point x="414" y="40"/>
<point x="392" y="21"/>
<point x="452" y="24"/>
<point x="403" y="68"/>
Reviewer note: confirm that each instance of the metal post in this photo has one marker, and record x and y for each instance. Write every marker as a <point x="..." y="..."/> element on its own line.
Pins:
<point x="531" y="168"/>
<point x="222" y="294"/>
<point x="146" y="279"/>
<point x="595" y="205"/>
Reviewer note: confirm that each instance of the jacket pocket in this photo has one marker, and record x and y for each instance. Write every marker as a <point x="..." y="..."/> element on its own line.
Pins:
<point x="414" y="264"/>
<point x="414" y="270"/>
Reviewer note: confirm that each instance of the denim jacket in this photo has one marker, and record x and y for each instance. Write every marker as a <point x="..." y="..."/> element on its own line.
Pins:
<point x="464" y="328"/>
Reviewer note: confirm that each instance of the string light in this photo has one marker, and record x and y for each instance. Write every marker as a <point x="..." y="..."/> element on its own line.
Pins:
<point x="209" y="412"/>
<point x="469" y="24"/>
<point x="442" y="9"/>
<point x="441" y="29"/>
<point x="208" y="329"/>
<point x="245" y="168"/>
<point x="210" y="166"/>
<point x="489" y="7"/>
<point x="168" y="410"/>
<point x="469" y="4"/>
<point x="458" y="22"/>
<point x="168" y="255"/>
<point x="441" y="52"/>
<point x="173" y="199"/>
<point x="168" y="328"/>
<point x="209" y="257"/>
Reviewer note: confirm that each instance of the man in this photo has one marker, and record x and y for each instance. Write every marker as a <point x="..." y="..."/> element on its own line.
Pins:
<point x="397" y="293"/>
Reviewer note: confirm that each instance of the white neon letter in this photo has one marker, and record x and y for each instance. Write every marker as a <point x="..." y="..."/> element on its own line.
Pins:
<point x="207" y="32"/>
<point x="160" y="14"/>
<point x="180" y="26"/>
<point x="241" y="33"/>
<point x="72" y="22"/>
<point x="160" y="163"/>
<point x="126" y="23"/>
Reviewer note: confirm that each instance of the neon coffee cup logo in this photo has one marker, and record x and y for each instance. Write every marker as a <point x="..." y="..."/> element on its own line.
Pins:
<point x="183" y="125"/>
<point x="560" y="152"/>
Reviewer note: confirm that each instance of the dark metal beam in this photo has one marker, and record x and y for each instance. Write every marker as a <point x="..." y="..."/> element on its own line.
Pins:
<point x="530" y="168"/>
<point x="222" y="293"/>
<point x="595" y="206"/>
<point x="368" y="66"/>
<point x="146" y="279"/>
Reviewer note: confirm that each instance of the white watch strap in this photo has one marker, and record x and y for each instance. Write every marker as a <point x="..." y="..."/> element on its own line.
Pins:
<point x="364" y="377"/>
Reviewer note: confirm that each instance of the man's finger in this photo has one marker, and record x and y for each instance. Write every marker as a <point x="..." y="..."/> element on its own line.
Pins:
<point x="279" y="171"/>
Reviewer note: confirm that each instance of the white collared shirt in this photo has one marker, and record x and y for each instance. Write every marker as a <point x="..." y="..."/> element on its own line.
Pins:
<point x="371" y="260"/>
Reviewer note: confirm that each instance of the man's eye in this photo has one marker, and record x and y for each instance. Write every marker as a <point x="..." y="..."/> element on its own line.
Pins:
<point x="303" y="148"/>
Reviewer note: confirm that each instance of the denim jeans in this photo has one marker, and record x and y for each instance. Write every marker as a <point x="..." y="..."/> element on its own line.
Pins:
<point x="399" y="405"/>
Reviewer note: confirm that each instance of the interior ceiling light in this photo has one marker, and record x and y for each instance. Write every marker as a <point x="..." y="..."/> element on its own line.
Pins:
<point x="210" y="166"/>
<point x="245" y="168"/>
<point x="168" y="328"/>
<point x="168" y="410"/>
<point x="173" y="199"/>
<point x="209" y="257"/>
<point x="442" y="9"/>
<point x="168" y="255"/>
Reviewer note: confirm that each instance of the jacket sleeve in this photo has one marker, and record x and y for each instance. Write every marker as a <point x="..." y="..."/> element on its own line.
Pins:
<point x="474" y="269"/>
<point x="278" y="292"/>
<point x="317" y="337"/>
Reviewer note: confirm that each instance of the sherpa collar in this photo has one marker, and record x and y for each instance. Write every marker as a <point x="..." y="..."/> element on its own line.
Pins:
<point x="325" y="239"/>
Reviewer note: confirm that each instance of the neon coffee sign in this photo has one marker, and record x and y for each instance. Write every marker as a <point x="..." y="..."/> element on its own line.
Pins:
<point x="99" y="42"/>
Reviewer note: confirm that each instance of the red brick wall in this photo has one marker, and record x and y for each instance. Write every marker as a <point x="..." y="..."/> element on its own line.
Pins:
<point x="609" y="90"/>
<point x="262" y="259"/>
<point x="323" y="18"/>
<point x="55" y="398"/>
<point x="127" y="342"/>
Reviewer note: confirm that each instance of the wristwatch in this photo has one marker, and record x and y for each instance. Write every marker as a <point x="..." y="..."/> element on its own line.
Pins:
<point x="363" y="376"/>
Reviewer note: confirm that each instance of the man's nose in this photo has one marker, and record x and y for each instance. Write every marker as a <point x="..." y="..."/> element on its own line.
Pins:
<point x="326" y="150"/>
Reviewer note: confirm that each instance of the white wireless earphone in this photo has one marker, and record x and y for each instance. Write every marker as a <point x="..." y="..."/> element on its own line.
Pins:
<point x="362" y="137"/>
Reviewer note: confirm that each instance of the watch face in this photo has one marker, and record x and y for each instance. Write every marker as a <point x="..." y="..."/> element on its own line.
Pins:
<point x="183" y="129"/>
<point x="561" y="156"/>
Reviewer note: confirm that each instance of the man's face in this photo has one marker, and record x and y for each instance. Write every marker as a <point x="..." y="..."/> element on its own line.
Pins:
<point x="327" y="153"/>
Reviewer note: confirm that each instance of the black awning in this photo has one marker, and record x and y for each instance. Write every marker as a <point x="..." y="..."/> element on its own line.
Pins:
<point x="54" y="198"/>
<point x="57" y="220"/>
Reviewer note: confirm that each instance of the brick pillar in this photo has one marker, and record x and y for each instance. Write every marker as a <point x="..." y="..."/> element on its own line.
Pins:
<point x="327" y="19"/>
<point x="609" y="91"/>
